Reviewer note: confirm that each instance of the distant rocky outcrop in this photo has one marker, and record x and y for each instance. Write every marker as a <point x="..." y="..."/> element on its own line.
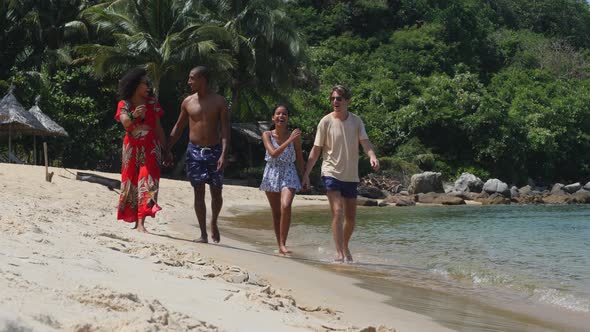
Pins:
<point x="428" y="188"/>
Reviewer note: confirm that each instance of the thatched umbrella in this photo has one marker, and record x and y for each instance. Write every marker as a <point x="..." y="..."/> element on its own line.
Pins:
<point x="14" y="117"/>
<point x="52" y="128"/>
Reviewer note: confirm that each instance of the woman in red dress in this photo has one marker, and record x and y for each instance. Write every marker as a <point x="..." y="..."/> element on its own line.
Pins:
<point x="142" y="149"/>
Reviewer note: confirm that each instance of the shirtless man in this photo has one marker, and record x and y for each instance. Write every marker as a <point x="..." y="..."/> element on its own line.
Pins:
<point x="206" y="155"/>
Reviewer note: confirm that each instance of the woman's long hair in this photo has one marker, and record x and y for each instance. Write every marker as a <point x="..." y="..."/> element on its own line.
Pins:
<point x="130" y="82"/>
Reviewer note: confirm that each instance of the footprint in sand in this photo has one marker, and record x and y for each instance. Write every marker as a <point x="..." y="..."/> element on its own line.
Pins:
<point x="134" y="314"/>
<point x="48" y="320"/>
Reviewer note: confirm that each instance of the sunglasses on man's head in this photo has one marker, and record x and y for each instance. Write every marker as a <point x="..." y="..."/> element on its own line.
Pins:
<point x="337" y="98"/>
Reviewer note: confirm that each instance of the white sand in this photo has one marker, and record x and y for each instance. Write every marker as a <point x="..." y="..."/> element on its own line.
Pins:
<point x="66" y="264"/>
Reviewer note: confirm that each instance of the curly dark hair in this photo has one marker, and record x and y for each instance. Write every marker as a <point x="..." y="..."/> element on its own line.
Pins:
<point x="130" y="82"/>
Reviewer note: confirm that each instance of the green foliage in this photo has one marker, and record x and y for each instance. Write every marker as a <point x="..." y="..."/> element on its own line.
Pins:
<point x="162" y="35"/>
<point x="415" y="50"/>
<point x="95" y="138"/>
<point x="495" y="88"/>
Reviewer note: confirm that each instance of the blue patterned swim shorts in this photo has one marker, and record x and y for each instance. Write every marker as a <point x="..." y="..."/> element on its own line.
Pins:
<point x="201" y="165"/>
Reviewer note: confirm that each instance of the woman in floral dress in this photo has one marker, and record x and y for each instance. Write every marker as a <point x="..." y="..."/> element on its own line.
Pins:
<point x="142" y="154"/>
<point x="280" y="180"/>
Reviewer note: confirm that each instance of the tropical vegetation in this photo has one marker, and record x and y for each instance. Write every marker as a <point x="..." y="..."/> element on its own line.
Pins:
<point x="497" y="88"/>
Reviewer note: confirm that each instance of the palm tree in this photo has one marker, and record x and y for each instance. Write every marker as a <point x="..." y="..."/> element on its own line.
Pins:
<point x="38" y="32"/>
<point x="15" y="36"/>
<point x="165" y="36"/>
<point x="55" y="27"/>
<point x="265" y="47"/>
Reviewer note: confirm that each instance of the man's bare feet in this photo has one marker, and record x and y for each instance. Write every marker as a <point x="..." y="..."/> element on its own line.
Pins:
<point x="202" y="239"/>
<point x="215" y="233"/>
<point x="338" y="259"/>
<point x="142" y="229"/>
<point x="348" y="255"/>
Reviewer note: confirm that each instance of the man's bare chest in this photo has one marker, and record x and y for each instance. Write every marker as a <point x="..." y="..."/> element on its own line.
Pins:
<point x="202" y="111"/>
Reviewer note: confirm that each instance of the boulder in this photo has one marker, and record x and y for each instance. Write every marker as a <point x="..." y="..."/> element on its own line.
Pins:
<point x="456" y="194"/>
<point x="468" y="182"/>
<point x="559" y="197"/>
<point x="514" y="193"/>
<point x="557" y="188"/>
<point x="400" y="200"/>
<point x="448" y="187"/>
<point x="427" y="198"/>
<point x="482" y="195"/>
<point x="426" y="182"/>
<point x="471" y="196"/>
<point x="450" y="200"/>
<point x="437" y="198"/>
<point x="572" y="188"/>
<point x="529" y="199"/>
<point x="495" y="186"/>
<point x="370" y="192"/>
<point x="581" y="196"/>
<point x="495" y="199"/>
<point x="587" y="186"/>
<point x="363" y="201"/>
<point x="525" y="190"/>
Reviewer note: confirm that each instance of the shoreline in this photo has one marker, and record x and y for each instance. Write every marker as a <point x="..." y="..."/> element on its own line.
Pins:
<point x="513" y="316"/>
<point x="68" y="265"/>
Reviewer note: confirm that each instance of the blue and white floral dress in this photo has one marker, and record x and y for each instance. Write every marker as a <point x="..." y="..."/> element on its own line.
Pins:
<point x="280" y="172"/>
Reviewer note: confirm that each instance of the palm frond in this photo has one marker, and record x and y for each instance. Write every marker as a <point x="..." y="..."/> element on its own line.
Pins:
<point x="75" y="29"/>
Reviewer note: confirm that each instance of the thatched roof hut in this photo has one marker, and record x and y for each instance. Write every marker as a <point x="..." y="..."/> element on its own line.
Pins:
<point x="14" y="118"/>
<point x="53" y="129"/>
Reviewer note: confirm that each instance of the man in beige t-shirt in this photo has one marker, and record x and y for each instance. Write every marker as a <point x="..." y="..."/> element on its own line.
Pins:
<point x="338" y="137"/>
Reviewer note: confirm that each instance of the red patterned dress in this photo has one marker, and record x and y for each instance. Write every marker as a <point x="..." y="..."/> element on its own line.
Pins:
<point x="140" y="170"/>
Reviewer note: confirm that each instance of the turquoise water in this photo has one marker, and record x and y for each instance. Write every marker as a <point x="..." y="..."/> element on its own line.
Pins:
<point x="534" y="258"/>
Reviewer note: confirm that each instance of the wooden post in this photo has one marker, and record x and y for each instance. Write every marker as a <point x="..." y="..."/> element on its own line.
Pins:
<point x="9" y="141"/>
<point x="48" y="175"/>
<point x="35" y="150"/>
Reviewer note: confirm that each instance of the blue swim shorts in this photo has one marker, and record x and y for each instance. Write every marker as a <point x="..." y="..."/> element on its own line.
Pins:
<point x="201" y="165"/>
<point x="346" y="189"/>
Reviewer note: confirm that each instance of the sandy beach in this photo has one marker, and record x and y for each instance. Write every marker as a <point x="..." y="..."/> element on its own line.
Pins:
<point x="66" y="264"/>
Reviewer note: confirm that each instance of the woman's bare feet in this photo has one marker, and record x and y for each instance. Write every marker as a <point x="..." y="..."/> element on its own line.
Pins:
<point x="283" y="250"/>
<point x="202" y="239"/>
<point x="140" y="227"/>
